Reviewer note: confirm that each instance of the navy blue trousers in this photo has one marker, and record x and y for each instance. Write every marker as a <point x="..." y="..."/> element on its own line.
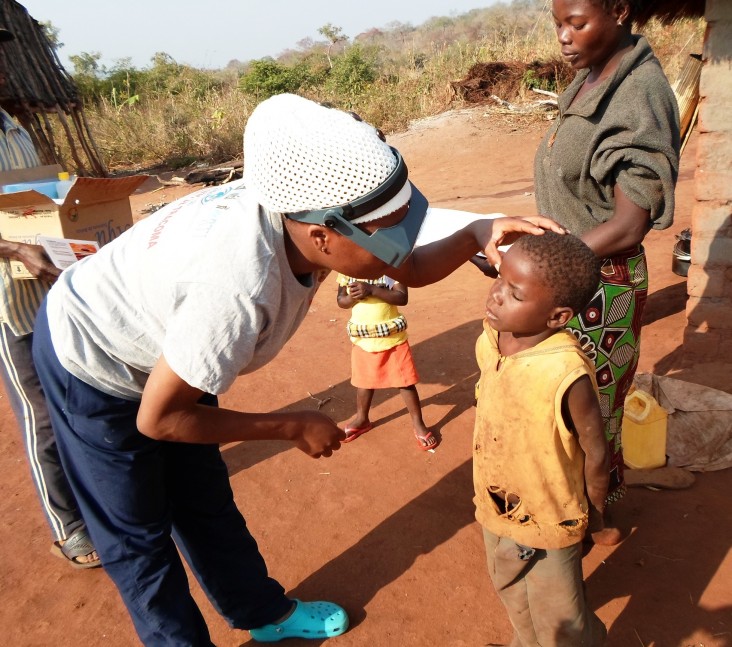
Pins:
<point x="141" y="498"/>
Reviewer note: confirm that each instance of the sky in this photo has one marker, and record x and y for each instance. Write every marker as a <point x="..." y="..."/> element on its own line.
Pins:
<point x="209" y="34"/>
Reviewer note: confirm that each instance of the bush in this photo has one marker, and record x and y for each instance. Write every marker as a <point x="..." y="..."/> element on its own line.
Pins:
<point x="267" y="77"/>
<point x="353" y="72"/>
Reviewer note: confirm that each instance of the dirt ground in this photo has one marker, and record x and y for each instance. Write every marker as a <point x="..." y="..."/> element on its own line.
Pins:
<point x="381" y="527"/>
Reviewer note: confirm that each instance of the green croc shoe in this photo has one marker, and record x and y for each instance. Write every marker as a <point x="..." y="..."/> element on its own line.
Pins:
<point x="308" y="620"/>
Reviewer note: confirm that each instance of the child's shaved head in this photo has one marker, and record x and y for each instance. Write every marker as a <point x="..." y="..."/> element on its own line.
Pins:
<point x="566" y="265"/>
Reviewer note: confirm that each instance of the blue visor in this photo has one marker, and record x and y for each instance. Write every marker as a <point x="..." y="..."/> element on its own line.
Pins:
<point x="390" y="244"/>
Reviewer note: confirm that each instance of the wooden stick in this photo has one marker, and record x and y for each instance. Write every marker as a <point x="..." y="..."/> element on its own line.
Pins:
<point x="69" y="136"/>
<point x="103" y="172"/>
<point x="546" y="92"/>
<point x="689" y="129"/>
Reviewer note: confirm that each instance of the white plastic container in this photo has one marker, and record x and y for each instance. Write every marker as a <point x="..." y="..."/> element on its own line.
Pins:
<point x="64" y="184"/>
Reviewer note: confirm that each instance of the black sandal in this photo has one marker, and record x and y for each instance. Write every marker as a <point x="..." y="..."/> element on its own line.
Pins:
<point x="78" y="544"/>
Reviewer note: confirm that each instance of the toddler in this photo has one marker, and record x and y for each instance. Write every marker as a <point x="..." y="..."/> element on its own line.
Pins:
<point x="381" y="357"/>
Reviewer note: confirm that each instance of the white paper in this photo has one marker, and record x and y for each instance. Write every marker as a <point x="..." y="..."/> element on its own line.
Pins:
<point x="441" y="223"/>
<point x="64" y="252"/>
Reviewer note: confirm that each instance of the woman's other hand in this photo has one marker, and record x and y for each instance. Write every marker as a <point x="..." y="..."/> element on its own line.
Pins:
<point x="317" y="435"/>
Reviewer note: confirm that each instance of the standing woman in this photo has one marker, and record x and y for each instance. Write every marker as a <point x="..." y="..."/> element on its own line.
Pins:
<point x="607" y="170"/>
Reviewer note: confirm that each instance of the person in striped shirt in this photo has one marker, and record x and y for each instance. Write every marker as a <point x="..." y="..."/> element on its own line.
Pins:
<point x="19" y="302"/>
<point x="16" y="147"/>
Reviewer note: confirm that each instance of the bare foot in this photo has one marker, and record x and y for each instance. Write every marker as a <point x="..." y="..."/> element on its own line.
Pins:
<point x="82" y="559"/>
<point x="606" y="537"/>
<point x="75" y="555"/>
<point x="89" y="558"/>
<point x="603" y="529"/>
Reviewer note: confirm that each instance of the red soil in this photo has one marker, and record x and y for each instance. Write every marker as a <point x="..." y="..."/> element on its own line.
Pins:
<point x="381" y="527"/>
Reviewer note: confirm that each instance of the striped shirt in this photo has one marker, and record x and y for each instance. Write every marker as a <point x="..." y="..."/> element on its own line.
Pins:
<point x="16" y="146"/>
<point x="19" y="298"/>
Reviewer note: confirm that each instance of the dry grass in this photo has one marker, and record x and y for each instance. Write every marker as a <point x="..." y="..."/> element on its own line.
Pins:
<point x="674" y="43"/>
<point x="188" y="127"/>
<point x="172" y="131"/>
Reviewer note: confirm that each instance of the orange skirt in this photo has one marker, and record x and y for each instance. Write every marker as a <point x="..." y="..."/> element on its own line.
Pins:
<point x="393" y="368"/>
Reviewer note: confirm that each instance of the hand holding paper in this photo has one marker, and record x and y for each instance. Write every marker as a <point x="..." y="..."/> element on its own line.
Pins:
<point x="36" y="262"/>
<point x="64" y="252"/>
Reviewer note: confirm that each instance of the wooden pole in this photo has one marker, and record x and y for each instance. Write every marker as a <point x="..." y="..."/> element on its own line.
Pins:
<point x="103" y="172"/>
<point x="74" y="153"/>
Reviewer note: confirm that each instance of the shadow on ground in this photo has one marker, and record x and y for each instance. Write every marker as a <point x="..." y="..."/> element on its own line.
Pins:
<point x="439" y="359"/>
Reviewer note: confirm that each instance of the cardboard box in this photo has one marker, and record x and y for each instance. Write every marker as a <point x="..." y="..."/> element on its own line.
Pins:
<point x="95" y="209"/>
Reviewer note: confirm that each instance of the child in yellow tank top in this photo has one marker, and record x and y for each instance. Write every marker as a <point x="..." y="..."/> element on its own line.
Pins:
<point x="539" y="451"/>
<point x="380" y="357"/>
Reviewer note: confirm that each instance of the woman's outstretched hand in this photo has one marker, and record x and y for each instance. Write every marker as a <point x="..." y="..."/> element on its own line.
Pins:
<point x="506" y="230"/>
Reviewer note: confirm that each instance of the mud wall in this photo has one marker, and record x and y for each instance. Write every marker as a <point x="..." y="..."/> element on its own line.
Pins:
<point x="708" y="335"/>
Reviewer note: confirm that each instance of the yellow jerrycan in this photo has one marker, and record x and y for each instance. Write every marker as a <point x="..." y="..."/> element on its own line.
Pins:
<point x="644" y="431"/>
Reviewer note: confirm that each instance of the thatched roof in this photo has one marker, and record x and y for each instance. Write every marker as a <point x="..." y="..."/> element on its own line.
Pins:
<point x="36" y="85"/>
<point x="668" y="10"/>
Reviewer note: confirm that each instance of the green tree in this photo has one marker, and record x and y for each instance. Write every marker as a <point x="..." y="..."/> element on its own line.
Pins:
<point x="165" y="75"/>
<point x="86" y="64"/>
<point x="52" y="34"/>
<point x="267" y="77"/>
<point x="122" y="83"/>
<point x="334" y="35"/>
<point x="353" y="71"/>
<point x="87" y="75"/>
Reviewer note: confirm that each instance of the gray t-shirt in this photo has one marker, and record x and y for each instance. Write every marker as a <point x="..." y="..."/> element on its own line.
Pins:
<point x="204" y="281"/>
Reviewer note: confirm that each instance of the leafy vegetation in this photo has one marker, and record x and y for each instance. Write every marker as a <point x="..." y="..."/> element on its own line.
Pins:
<point x="171" y="114"/>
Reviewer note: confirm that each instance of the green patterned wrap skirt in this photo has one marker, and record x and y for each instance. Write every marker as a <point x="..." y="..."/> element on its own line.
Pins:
<point x="609" y="332"/>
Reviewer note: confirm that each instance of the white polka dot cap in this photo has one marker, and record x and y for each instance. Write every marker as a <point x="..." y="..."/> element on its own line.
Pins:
<point x="301" y="156"/>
